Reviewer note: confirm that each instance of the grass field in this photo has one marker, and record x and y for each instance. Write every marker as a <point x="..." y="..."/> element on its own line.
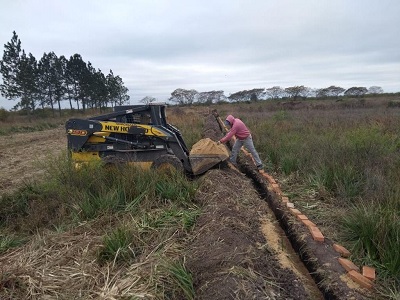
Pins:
<point x="337" y="160"/>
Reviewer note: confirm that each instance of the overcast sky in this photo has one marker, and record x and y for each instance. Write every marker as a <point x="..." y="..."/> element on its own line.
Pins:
<point x="159" y="46"/>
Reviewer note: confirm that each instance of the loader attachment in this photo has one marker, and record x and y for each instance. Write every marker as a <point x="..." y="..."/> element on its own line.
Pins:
<point x="205" y="154"/>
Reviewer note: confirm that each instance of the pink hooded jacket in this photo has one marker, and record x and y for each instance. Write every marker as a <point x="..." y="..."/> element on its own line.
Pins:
<point x="238" y="129"/>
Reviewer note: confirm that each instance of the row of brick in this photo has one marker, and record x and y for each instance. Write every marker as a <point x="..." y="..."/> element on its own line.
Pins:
<point x="364" y="279"/>
<point x="368" y="273"/>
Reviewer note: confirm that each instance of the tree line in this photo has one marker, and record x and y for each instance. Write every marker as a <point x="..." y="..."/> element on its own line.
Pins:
<point x="53" y="79"/>
<point x="183" y="96"/>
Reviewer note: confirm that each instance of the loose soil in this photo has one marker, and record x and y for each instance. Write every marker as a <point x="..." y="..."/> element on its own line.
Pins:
<point x="22" y="155"/>
<point x="236" y="251"/>
<point x="230" y="257"/>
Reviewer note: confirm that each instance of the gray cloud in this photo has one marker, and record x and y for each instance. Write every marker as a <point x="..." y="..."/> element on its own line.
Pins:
<point x="158" y="46"/>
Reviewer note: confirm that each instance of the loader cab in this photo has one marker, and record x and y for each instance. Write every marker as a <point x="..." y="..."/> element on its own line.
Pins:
<point x="153" y="114"/>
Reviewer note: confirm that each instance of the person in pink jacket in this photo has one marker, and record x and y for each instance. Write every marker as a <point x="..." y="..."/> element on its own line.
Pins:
<point x="243" y="138"/>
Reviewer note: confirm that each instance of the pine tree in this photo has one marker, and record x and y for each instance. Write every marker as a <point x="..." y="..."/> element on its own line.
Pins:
<point x="9" y="68"/>
<point x="112" y="88"/>
<point x="88" y="82"/>
<point x="76" y="68"/>
<point x="117" y="92"/>
<point x="51" y="80"/>
<point x="26" y="81"/>
<point x="99" y="88"/>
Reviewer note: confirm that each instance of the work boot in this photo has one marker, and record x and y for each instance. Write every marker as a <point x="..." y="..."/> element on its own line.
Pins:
<point x="260" y="167"/>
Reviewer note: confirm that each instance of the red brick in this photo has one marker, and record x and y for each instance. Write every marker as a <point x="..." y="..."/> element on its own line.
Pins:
<point x="308" y="223"/>
<point x="295" y="211"/>
<point x="348" y="265"/>
<point x="269" y="178"/>
<point x="368" y="272"/>
<point x="302" y="217"/>
<point x="361" y="280"/>
<point x="289" y="205"/>
<point x="276" y="188"/>
<point x="285" y="199"/>
<point x="316" y="234"/>
<point x="341" y="250"/>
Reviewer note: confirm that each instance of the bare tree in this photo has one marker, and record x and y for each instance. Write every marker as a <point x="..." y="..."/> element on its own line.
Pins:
<point x="256" y="94"/>
<point x="356" y="91"/>
<point x="211" y="97"/>
<point x="182" y="96"/>
<point x="238" y="96"/>
<point x="335" y="91"/>
<point x="247" y="95"/>
<point x="375" y="90"/>
<point x="275" y="92"/>
<point x="332" y="91"/>
<point x="297" y="91"/>
<point x="148" y="99"/>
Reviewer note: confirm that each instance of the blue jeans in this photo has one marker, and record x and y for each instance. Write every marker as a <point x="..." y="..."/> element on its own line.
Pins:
<point x="248" y="144"/>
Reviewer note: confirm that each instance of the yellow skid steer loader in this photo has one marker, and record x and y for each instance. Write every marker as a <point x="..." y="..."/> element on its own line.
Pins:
<point x="139" y="134"/>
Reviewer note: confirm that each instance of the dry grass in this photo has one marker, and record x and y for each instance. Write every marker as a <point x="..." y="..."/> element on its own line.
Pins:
<point x="65" y="266"/>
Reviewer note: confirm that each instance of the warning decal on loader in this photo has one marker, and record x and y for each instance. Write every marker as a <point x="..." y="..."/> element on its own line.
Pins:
<point x="78" y="132"/>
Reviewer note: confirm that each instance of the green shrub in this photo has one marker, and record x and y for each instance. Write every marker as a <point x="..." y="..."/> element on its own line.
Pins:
<point x="178" y="276"/>
<point x="120" y="245"/>
<point x="91" y="206"/>
<point x="176" y="188"/>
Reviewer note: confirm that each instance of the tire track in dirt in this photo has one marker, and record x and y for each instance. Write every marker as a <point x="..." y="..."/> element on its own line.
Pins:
<point x="22" y="155"/>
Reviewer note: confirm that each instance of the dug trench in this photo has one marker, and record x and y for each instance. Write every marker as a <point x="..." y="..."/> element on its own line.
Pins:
<point x="246" y="245"/>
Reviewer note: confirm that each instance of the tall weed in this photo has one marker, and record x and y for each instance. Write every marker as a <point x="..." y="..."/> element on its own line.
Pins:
<point x="374" y="233"/>
<point x="120" y="245"/>
<point x="177" y="275"/>
<point x="70" y="193"/>
<point x="8" y="241"/>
